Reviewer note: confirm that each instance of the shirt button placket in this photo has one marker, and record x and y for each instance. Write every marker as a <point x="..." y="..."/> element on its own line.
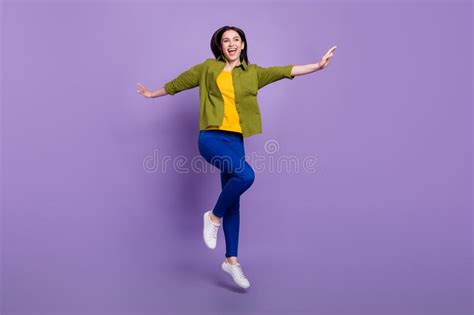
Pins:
<point x="236" y="101"/>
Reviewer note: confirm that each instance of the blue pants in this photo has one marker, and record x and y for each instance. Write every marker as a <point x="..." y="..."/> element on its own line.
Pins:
<point x="225" y="150"/>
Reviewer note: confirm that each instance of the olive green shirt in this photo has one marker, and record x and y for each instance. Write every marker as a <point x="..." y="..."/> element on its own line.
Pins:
<point x="247" y="80"/>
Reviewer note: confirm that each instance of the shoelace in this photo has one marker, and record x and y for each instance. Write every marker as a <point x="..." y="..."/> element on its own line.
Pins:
<point x="240" y="272"/>
<point x="214" y="229"/>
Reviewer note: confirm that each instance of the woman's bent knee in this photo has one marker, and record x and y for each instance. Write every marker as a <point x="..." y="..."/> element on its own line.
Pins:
<point x="248" y="177"/>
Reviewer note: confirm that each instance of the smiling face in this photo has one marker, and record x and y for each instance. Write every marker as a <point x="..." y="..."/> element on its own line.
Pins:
<point x="231" y="45"/>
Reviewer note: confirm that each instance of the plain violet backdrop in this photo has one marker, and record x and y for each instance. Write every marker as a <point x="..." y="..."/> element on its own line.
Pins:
<point x="91" y="225"/>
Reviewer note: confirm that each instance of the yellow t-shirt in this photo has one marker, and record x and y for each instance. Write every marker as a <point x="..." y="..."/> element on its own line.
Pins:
<point x="231" y="120"/>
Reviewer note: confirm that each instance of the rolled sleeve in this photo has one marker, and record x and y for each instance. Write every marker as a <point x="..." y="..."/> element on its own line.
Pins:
<point x="267" y="75"/>
<point x="186" y="80"/>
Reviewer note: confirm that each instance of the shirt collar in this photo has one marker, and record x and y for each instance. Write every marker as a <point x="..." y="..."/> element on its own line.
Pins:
<point x="243" y="63"/>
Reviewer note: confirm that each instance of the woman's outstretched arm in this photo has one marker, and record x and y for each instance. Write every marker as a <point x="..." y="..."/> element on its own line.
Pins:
<point x="186" y="80"/>
<point x="147" y="93"/>
<point x="312" y="67"/>
<point x="267" y="75"/>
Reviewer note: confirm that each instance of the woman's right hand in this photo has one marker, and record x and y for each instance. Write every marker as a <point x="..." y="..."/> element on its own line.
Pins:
<point x="143" y="91"/>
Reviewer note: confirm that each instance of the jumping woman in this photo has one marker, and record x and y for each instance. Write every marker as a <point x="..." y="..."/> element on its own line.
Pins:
<point x="229" y="112"/>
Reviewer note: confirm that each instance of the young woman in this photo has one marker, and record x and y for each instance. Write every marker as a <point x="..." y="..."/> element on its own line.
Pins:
<point x="229" y="113"/>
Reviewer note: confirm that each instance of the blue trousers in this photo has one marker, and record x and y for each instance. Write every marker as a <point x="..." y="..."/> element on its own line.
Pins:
<point x="225" y="150"/>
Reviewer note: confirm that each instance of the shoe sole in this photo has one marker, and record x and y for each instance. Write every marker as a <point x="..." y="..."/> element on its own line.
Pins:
<point x="225" y="270"/>
<point x="204" y="232"/>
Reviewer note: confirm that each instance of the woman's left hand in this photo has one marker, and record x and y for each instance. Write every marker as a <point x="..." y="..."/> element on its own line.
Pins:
<point x="326" y="58"/>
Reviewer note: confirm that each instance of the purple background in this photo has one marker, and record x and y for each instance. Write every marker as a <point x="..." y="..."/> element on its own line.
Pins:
<point x="384" y="225"/>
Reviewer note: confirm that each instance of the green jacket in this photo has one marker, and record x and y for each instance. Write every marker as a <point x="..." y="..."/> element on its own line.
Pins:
<point x="247" y="78"/>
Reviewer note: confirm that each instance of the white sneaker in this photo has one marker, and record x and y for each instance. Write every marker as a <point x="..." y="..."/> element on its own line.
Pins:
<point x="210" y="231"/>
<point x="237" y="274"/>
